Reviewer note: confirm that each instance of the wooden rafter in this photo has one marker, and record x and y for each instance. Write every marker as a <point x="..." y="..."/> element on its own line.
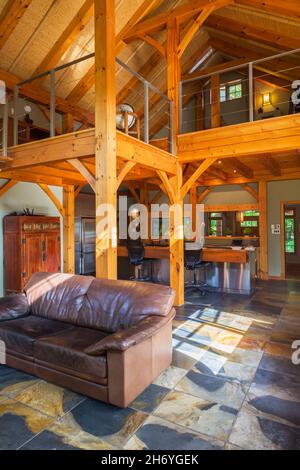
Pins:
<point x="88" y="80"/>
<point x="215" y="68"/>
<point x="152" y="42"/>
<point x="78" y="189"/>
<point x="201" y="18"/>
<point x="253" y="32"/>
<point x="285" y="8"/>
<point x="56" y="202"/>
<point x="10" y="17"/>
<point x="180" y="13"/>
<point x="271" y="165"/>
<point x="240" y="167"/>
<point x="85" y="172"/>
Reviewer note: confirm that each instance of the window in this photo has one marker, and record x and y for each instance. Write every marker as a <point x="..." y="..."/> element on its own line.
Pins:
<point x="215" y="224"/>
<point x="249" y="225"/>
<point x="289" y="229"/>
<point x="231" y="91"/>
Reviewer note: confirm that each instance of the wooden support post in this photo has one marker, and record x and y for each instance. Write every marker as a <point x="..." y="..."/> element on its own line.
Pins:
<point x="173" y="74"/>
<point x="67" y="123"/>
<point x="193" y="202"/>
<point x="177" y="242"/>
<point x="199" y="111"/>
<point x="105" y="130"/>
<point x="263" y="230"/>
<point x="215" y="101"/>
<point x="68" y="229"/>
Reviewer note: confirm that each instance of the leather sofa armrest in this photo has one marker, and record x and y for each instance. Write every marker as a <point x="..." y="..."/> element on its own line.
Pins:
<point x="123" y="340"/>
<point x="13" y="306"/>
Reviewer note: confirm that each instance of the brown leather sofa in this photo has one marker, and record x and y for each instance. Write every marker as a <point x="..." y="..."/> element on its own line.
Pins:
<point x="105" y="339"/>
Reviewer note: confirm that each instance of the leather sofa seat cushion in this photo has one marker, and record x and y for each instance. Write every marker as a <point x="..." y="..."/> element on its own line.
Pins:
<point x="19" y="335"/>
<point x="57" y="296"/>
<point x="112" y="306"/>
<point x="64" y="352"/>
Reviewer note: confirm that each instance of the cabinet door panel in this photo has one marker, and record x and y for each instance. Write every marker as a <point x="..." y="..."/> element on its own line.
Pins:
<point x="32" y="255"/>
<point x="51" y="259"/>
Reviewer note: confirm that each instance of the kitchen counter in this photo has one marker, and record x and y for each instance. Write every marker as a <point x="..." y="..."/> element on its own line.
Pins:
<point x="228" y="270"/>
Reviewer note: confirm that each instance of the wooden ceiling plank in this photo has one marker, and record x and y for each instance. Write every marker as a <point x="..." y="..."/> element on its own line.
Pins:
<point x="283" y="8"/>
<point x="199" y="21"/>
<point x="66" y="39"/>
<point x="253" y="32"/>
<point x="10" y="17"/>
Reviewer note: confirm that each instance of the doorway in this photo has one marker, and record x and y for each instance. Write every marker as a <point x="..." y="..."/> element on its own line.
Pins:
<point x="290" y="244"/>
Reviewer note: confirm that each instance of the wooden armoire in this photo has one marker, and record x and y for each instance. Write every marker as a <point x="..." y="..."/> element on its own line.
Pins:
<point x="31" y="244"/>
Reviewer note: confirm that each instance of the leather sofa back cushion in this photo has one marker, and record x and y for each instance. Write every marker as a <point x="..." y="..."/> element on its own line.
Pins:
<point x="57" y="296"/>
<point x="115" y="305"/>
<point x="103" y="304"/>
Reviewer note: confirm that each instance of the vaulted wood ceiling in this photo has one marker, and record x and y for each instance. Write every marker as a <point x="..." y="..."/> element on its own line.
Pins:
<point x="36" y="35"/>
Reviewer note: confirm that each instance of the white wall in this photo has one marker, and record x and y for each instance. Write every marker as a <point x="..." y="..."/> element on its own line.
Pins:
<point x="21" y="196"/>
<point x="278" y="191"/>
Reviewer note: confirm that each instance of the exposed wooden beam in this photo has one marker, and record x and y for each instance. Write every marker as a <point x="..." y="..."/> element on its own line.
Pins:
<point x="192" y="179"/>
<point x="215" y="68"/>
<point x="88" y="80"/>
<point x="152" y="42"/>
<point x="250" y="190"/>
<point x="133" y="192"/>
<point x="7" y="186"/>
<point x="253" y="32"/>
<point x="252" y="138"/>
<point x="10" y="17"/>
<point x="271" y="165"/>
<point x="68" y="230"/>
<point x="167" y="185"/>
<point x="263" y="229"/>
<point x="78" y="189"/>
<point x="84" y="171"/>
<point x="173" y="75"/>
<point x="56" y="202"/>
<point x="240" y="167"/>
<point x="180" y="13"/>
<point x="196" y="25"/>
<point x="286" y="8"/>
<point x="66" y="39"/>
<point x="105" y="133"/>
<point x="203" y="195"/>
<point x="215" y="101"/>
<point x="126" y="168"/>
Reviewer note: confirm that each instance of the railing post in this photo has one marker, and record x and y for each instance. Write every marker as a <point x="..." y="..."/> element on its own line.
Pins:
<point x="146" y="112"/>
<point x="52" y="103"/>
<point x="180" y="105"/>
<point x="250" y="91"/>
<point x="5" y="128"/>
<point x="16" y="117"/>
<point x="171" y="127"/>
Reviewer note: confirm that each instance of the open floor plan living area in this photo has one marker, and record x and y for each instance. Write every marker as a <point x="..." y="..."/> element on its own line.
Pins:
<point x="150" y="229"/>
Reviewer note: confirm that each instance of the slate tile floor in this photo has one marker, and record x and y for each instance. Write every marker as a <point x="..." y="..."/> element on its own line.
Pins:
<point x="232" y="385"/>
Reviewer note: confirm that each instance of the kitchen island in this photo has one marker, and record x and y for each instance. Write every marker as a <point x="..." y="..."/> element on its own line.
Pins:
<point x="228" y="270"/>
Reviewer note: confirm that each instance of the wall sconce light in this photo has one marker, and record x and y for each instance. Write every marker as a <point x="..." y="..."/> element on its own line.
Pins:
<point x="266" y="99"/>
<point x="240" y="217"/>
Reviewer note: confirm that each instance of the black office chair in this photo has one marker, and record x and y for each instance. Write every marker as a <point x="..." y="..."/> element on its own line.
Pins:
<point x="193" y="262"/>
<point x="136" y="254"/>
